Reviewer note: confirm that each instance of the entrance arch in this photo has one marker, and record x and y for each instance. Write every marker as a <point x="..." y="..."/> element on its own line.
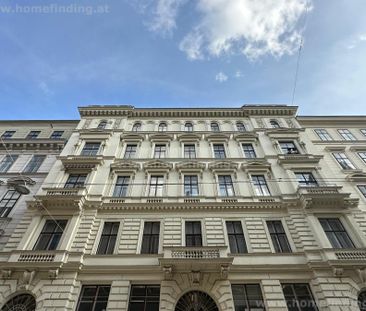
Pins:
<point x="22" y="302"/>
<point x="196" y="301"/>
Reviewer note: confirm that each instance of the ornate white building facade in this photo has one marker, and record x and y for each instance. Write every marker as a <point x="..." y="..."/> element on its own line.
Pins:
<point x="195" y="209"/>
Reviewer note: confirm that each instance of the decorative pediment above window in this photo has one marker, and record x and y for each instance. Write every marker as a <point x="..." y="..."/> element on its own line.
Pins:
<point x="299" y="160"/>
<point x="358" y="177"/>
<point x="223" y="166"/>
<point x="125" y="166"/>
<point x="161" y="138"/>
<point x="190" y="167"/>
<point x="218" y="138"/>
<point x="132" y="138"/>
<point x="284" y="133"/>
<point x="189" y="138"/>
<point x="157" y="166"/>
<point x="246" y="136"/>
<point x="256" y="165"/>
<point x="95" y="133"/>
<point x="81" y="163"/>
<point x="335" y="148"/>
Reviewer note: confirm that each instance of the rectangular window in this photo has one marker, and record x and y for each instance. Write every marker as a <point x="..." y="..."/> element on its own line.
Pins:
<point x="343" y="161"/>
<point x="260" y="185"/>
<point x="90" y="149"/>
<point x="248" y="297"/>
<point x="336" y="233"/>
<point x="156" y="186"/>
<point x="306" y="179"/>
<point x="75" y="181"/>
<point x="362" y="155"/>
<point x="160" y="151"/>
<point x="193" y="233"/>
<point x="236" y="237"/>
<point x="144" y="298"/>
<point x="278" y="236"/>
<point x="150" y="238"/>
<point x="363" y="132"/>
<point x="362" y="189"/>
<point x="34" y="164"/>
<point x="219" y="151"/>
<point x="288" y="147"/>
<point x="94" y="298"/>
<point x="7" y="162"/>
<point x="33" y="134"/>
<point x="8" y="201"/>
<point x="57" y="134"/>
<point x="191" y="185"/>
<point x="7" y="134"/>
<point x="120" y="190"/>
<point x="299" y="297"/>
<point x="323" y="134"/>
<point x="346" y="134"/>
<point x="130" y="151"/>
<point x="189" y="151"/>
<point x="226" y="186"/>
<point x="249" y="151"/>
<point x="50" y="235"/>
<point x="108" y="238"/>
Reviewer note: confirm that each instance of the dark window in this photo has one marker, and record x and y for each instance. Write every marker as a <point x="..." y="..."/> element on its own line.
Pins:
<point x="136" y="127"/>
<point x="190" y="185"/>
<point x="346" y="134"/>
<point x="193" y="233"/>
<point x="248" y="297"/>
<point x="7" y="134"/>
<point x="362" y="189"/>
<point x="363" y="132"/>
<point x="299" y="297"/>
<point x="34" y="164"/>
<point x="108" y="238"/>
<point x="240" y="126"/>
<point x="323" y="134"/>
<point x="56" y="134"/>
<point x="260" y="185"/>
<point x="75" y="181"/>
<point x="306" y="179"/>
<point x="336" y="233"/>
<point x="236" y="237"/>
<point x="226" y="186"/>
<point x="362" y="301"/>
<point x="274" y="124"/>
<point x="156" y="186"/>
<point x="102" y="125"/>
<point x="130" y="152"/>
<point x="162" y="127"/>
<point x="33" y="134"/>
<point x="8" y="201"/>
<point x="144" y="298"/>
<point x="343" y="161"/>
<point x="90" y="149"/>
<point x="22" y="302"/>
<point x="278" y="236"/>
<point x="7" y="162"/>
<point x="50" y="235"/>
<point x="219" y="151"/>
<point x="94" y="298"/>
<point x="160" y="151"/>
<point x="188" y="127"/>
<point x="362" y="155"/>
<point x="249" y="151"/>
<point x="288" y="147"/>
<point x="189" y="151"/>
<point x="150" y="238"/>
<point x="215" y="127"/>
<point x="120" y="190"/>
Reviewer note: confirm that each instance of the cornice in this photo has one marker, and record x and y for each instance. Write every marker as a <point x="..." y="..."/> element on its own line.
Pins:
<point x="33" y="144"/>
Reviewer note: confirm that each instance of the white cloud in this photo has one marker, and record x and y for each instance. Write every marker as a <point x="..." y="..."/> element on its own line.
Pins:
<point x="362" y="37"/>
<point x="239" y="74"/>
<point x="45" y="89"/>
<point x="221" y="77"/>
<point x="355" y="42"/>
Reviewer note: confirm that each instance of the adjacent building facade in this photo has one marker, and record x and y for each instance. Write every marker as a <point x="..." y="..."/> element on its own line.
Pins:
<point x="249" y="208"/>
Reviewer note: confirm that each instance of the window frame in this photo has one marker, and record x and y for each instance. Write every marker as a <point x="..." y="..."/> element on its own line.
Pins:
<point x="252" y="151"/>
<point x="363" y="193"/>
<point x="277" y="247"/>
<point x="312" y="182"/>
<point x="91" y="152"/>
<point x="76" y="185"/>
<point x="310" y="294"/>
<point x="191" y="185"/>
<point x="12" y="157"/>
<point x="240" y="127"/>
<point x="194" y="149"/>
<point x="123" y="185"/>
<point x="260" y="184"/>
<point x="345" y="157"/>
<point x="245" y="297"/>
<point x="95" y="299"/>
<point x="346" y="134"/>
<point x="156" y="185"/>
<point x="274" y="124"/>
<point x="162" y="127"/>
<point x="33" y="135"/>
<point x="346" y="230"/>
<point x="215" y="127"/>
<point x="136" y="127"/>
<point x="129" y="152"/>
<point x="145" y="299"/>
<point x="200" y="235"/>
<point x="109" y="235"/>
<point x="227" y="195"/>
<point x="159" y="152"/>
<point x="53" y="136"/>
<point x="50" y="240"/>
<point x="220" y="152"/>
<point x="5" y="134"/>
<point x="28" y="170"/>
<point x="6" y="210"/>
<point x="188" y="127"/>
<point x="362" y="156"/>
<point x="287" y="150"/>
<point x="323" y="134"/>
<point x="149" y="238"/>
<point x="235" y="235"/>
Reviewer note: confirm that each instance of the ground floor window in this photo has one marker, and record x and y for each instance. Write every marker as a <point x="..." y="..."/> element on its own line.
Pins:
<point x="299" y="297"/>
<point x="144" y="298"/>
<point x="93" y="298"/>
<point x="24" y="302"/>
<point x="247" y="297"/>
<point x="197" y="301"/>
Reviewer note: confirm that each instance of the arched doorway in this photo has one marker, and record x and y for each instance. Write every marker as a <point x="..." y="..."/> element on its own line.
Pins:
<point x="23" y="302"/>
<point x="362" y="301"/>
<point x="196" y="301"/>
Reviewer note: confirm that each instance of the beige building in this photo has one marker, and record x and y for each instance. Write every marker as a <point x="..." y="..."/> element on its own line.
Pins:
<point x="195" y="209"/>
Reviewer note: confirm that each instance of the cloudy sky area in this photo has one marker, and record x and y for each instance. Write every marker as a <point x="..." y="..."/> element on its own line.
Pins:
<point x="181" y="53"/>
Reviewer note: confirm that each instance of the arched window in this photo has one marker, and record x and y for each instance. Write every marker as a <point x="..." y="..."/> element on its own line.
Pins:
<point x="196" y="300"/>
<point x="188" y="127"/>
<point x="215" y="127"/>
<point x="362" y="301"/>
<point x="240" y="126"/>
<point x="275" y="124"/>
<point x="136" y="127"/>
<point x="162" y="127"/>
<point x="23" y="302"/>
<point x="102" y="124"/>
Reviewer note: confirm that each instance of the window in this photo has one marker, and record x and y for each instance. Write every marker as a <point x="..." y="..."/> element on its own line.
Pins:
<point x="249" y="151"/>
<point x="156" y="186"/>
<point x="94" y="298"/>
<point x="56" y="134"/>
<point x="7" y="134"/>
<point x="160" y="151"/>
<point x="50" y="235"/>
<point x="362" y="301"/>
<point x="236" y="237"/>
<point x="162" y="127"/>
<point x="260" y="185"/>
<point x="219" y="151"/>
<point x="240" y="126"/>
<point x="102" y="125"/>
<point x="299" y="297"/>
<point x="130" y="151"/>
<point x="190" y="185"/>
<point x="150" y="238"/>
<point x="193" y="233"/>
<point x="189" y="151"/>
<point x="306" y="179"/>
<point x="90" y="149"/>
<point x="226" y="186"/>
<point x="362" y="155"/>
<point x="336" y="233"/>
<point x="278" y="236"/>
<point x="33" y="134"/>
<point x="7" y="162"/>
<point x="323" y="134"/>
<point x="34" y="164"/>
<point x="108" y="238"/>
<point x="120" y="190"/>
<point x="362" y="189"/>
<point x="274" y="124"/>
<point x="136" y="127"/>
<point x="343" y="161"/>
<point x="346" y="134"/>
<point x="247" y="297"/>
<point x="8" y="201"/>
<point x="288" y="147"/>
<point x="188" y="127"/>
<point x="75" y="181"/>
<point x="215" y="127"/>
<point x="363" y="132"/>
<point x="144" y="298"/>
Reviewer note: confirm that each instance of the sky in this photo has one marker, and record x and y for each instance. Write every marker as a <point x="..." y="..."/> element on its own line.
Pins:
<point x="56" y="56"/>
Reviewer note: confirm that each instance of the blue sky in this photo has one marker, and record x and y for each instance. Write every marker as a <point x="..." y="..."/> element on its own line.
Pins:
<point x="181" y="53"/>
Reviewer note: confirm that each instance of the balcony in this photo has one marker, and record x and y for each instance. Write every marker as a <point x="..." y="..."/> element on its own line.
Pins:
<point x="80" y="162"/>
<point x="62" y="197"/>
<point x="353" y="257"/>
<point x="296" y="158"/>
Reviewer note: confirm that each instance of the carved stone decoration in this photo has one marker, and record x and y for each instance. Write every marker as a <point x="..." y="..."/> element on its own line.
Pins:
<point x="6" y="274"/>
<point x="224" y="271"/>
<point x="290" y="123"/>
<point x="338" y="272"/>
<point x="260" y="122"/>
<point x="117" y="123"/>
<point x="168" y="272"/>
<point x="362" y="274"/>
<point x="53" y="273"/>
<point x="87" y="123"/>
<point x="26" y="279"/>
<point x="195" y="277"/>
